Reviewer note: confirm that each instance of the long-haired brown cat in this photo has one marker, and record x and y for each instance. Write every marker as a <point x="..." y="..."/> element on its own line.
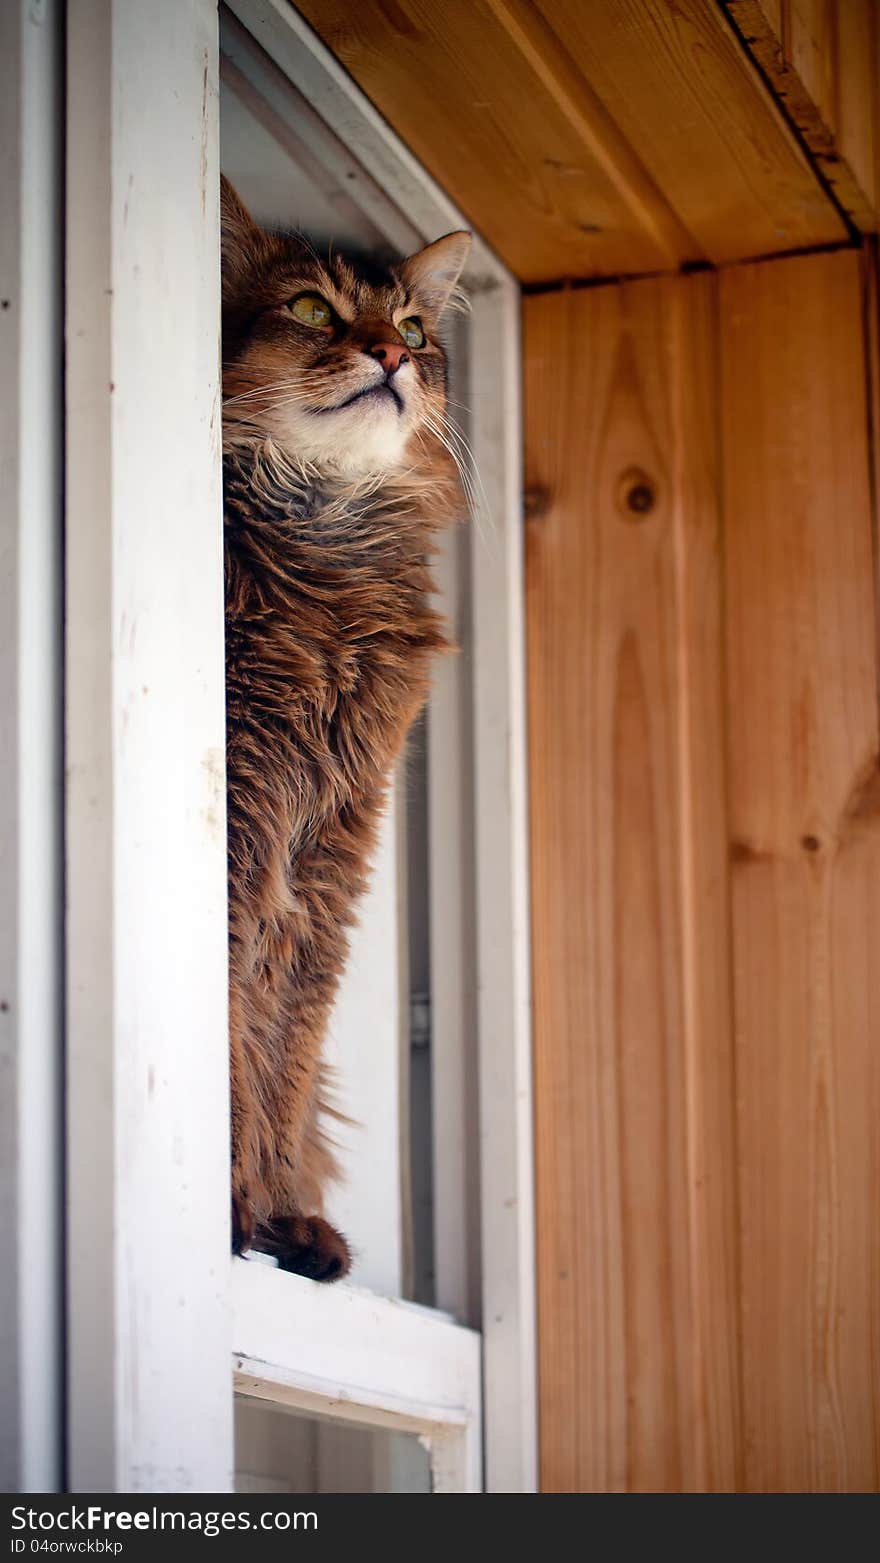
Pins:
<point x="335" y="478"/>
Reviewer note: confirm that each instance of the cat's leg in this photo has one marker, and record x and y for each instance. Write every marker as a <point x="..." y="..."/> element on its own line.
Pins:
<point x="280" y="1159"/>
<point x="260" y="904"/>
<point x="284" y="968"/>
<point x="251" y="1198"/>
<point x="298" y="1233"/>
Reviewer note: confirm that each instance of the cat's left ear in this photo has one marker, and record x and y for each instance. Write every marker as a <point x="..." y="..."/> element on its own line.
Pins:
<point x="240" y="241"/>
<point x="433" y="272"/>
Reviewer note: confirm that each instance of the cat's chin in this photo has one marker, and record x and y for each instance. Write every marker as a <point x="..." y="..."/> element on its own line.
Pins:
<point x="354" y="464"/>
<point x="352" y="447"/>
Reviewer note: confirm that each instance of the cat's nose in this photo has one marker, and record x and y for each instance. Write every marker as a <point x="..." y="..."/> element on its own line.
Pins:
<point x="390" y="355"/>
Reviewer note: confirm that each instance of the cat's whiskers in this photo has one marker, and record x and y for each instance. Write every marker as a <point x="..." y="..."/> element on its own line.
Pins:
<point x="256" y="390"/>
<point x="462" y="444"/>
<point x="248" y="407"/>
<point x="463" y="475"/>
<point x="304" y="379"/>
<point x="455" y="444"/>
<point x="262" y="393"/>
<point x="281" y="394"/>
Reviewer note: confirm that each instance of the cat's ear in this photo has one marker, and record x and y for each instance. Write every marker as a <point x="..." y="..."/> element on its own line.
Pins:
<point x="240" y="240"/>
<point x="433" y="272"/>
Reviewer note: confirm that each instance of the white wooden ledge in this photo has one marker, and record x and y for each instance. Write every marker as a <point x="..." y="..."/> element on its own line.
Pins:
<point x="342" y="1352"/>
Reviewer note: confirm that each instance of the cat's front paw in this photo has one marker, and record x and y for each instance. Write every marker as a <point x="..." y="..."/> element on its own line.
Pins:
<point x="243" y="1223"/>
<point x="310" y="1246"/>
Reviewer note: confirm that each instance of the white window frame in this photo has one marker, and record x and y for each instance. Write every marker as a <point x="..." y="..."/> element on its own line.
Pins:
<point x="31" y="855"/>
<point x="345" y="1353"/>
<point x="156" y="1308"/>
<point x="147" y="1078"/>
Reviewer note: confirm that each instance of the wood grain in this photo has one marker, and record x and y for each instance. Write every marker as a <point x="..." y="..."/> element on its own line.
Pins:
<point x="705" y="789"/>
<point x="857" y="102"/>
<point x="456" y="86"/>
<point x="581" y="141"/>
<point x="633" y="1067"/>
<point x="805" y="845"/>
<point x="682" y="91"/>
<point x="821" y="58"/>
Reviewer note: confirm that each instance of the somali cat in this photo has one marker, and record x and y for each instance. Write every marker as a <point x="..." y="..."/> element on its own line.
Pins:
<point x="336" y="475"/>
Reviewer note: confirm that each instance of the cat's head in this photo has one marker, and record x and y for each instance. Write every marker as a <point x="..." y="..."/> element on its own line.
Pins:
<point x="336" y="360"/>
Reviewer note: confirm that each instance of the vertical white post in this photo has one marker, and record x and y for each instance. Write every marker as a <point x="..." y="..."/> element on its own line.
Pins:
<point x="150" y="1395"/>
<point x="454" y="975"/>
<point x="31" y="433"/>
<point x="506" y="1164"/>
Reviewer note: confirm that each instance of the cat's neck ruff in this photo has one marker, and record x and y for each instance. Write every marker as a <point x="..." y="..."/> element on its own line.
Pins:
<point x="288" y="469"/>
<point x="426" y="495"/>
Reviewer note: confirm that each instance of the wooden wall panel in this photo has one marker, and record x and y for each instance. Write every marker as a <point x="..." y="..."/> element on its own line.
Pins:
<point x="805" y="845"/>
<point x="618" y="138"/>
<point x="706" y="881"/>
<point x="633" y="1077"/>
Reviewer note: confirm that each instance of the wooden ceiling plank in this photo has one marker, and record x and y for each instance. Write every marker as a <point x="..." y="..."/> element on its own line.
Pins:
<point x="459" y="92"/>
<point x="553" y="67"/>
<point x="822" y="62"/>
<point x="677" y="82"/>
<point x="810" y="50"/>
<point x="857" y="96"/>
<point x="773" y="11"/>
<point x="587" y="141"/>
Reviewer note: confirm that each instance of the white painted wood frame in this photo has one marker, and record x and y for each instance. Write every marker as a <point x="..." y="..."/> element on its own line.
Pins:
<point x="368" y="1360"/>
<point x="150" y="1339"/>
<point x="31" y="868"/>
<point x="499" y="768"/>
<point x="150" y="1404"/>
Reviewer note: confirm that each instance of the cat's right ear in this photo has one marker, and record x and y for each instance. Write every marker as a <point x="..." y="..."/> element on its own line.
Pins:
<point x="240" y="241"/>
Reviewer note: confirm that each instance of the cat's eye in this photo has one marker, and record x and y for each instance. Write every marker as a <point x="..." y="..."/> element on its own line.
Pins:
<point x="312" y="310"/>
<point x="411" y="331"/>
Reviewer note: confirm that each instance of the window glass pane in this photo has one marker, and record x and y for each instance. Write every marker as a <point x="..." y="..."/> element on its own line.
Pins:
<point x="402" y="1039"/>
<point x="284" y="1451"/>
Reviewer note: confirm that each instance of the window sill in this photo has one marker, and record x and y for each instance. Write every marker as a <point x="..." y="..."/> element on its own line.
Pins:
<point x="339" y="1351"/>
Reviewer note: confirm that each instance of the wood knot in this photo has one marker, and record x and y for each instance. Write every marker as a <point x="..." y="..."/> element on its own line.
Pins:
<point x="746" y="852"/>
<point x="536" y="502"/>
<point x="635" y="495"/>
